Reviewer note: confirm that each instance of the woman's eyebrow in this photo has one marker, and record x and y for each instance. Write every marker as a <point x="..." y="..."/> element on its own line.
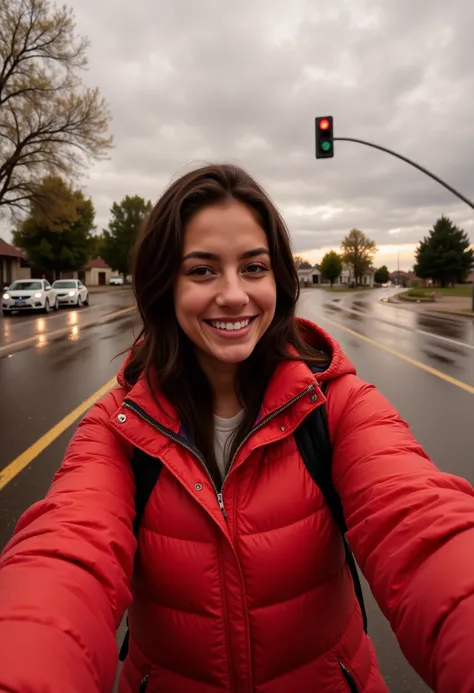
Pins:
<point x="204" y="255"/>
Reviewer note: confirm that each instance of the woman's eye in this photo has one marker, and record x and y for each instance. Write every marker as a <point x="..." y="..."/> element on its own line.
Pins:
<point x="256" y="268"/>
<point x="200" y="272"/>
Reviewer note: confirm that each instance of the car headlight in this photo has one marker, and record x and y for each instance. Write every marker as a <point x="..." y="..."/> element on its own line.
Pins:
<point x="72" y="293"/>
<point x="6" y="297"/>
<point x="38" y="294"/>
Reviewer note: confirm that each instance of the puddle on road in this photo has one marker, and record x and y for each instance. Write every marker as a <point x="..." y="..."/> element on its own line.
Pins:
<point x="451" y="349"/>
<point x="440" y="358"/>
<point x="361" y="305"/>
<point x="445" y="327"/>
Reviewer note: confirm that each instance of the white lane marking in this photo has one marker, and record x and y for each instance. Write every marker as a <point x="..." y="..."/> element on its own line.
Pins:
<point x="447" y="339"/>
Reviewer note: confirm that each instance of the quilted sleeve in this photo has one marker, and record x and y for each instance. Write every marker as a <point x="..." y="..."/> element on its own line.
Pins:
<point x="411" y="528"/>
<point x="65" y="574"/>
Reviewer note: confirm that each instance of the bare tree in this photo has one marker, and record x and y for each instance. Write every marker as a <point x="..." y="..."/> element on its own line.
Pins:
<point x="301" y="263"/>
<point x="50" y="123"/>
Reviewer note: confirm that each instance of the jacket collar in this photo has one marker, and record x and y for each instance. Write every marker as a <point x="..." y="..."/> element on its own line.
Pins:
<point x="290" y="379"/>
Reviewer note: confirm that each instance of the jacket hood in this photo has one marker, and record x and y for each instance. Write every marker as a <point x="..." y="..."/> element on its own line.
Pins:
<point x="318" y="338"/>
<point x="290" y="378"/>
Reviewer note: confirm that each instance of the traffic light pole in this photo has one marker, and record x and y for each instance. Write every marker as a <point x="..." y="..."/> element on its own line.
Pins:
<point x="420" y="168"/>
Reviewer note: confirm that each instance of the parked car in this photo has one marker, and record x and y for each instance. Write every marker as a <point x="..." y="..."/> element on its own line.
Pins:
<point x="71" y="292"/>
<point x="116" y="281"/>
<point x="29" y="294"/>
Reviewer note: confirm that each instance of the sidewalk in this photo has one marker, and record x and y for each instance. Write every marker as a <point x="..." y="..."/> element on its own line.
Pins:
<point x="447" y="305"/>
<point x="107" y="289"/>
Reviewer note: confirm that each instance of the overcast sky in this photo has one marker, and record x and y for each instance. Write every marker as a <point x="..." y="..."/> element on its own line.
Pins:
<point x="195" y="80"/>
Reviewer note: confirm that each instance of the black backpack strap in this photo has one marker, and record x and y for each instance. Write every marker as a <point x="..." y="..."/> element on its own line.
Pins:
<point x="314" y="445"/>
<point x="146" y="470"/>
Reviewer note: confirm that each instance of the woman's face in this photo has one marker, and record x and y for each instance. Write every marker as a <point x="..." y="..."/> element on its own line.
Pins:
<point x="225" y="293"/>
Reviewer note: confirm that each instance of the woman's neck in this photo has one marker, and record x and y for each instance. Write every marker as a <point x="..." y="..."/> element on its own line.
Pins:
<point x="222" y="378"/>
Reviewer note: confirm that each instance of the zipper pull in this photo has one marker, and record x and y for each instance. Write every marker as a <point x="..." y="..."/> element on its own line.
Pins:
<point x="220" y="500"/>
<point x="143" y="685"/>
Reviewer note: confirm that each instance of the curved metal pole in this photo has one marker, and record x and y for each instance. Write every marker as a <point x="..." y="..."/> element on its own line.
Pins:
<point x="420" y="168"/>
<point x="412" y="163"/>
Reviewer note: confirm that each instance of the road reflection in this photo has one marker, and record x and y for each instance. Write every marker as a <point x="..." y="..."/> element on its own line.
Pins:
<point x="41" y="341"/>
<point x="74" y="334"/>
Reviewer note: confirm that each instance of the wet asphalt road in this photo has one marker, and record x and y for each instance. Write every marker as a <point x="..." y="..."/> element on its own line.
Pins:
<point x="50" y="365"/>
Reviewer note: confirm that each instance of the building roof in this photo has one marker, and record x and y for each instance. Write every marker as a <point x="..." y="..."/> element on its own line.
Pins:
<point x="402" y="273"/>
<point x="97" y="263"/>
<point x="7" y="250"/>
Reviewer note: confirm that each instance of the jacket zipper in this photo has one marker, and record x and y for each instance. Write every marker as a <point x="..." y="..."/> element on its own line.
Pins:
<point x="177" y="439"/>
<point x="262" y="423"/>
<point x="143" y="684"/>
<point x="351" y="682"/>
<point x="129" y="404"/>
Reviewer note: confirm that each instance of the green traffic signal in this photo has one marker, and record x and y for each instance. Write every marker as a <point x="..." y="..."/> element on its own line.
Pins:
<point x="326" y="146"/>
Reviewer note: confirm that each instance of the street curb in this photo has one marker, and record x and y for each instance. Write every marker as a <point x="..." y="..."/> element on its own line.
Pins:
<point x="19" y="345"/>
<point x="109" y="290"/>
<point x="453" y="312"/>
<point x="427" y="311"/>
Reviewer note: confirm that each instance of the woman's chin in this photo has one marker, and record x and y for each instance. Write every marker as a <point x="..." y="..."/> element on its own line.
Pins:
<point x="232" y="354"/>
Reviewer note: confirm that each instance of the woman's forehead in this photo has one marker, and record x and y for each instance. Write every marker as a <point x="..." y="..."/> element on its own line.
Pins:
<point x="224" y="228"/>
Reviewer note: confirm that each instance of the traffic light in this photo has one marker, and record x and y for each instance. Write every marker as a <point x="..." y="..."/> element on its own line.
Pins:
<point x="324" y="138"/>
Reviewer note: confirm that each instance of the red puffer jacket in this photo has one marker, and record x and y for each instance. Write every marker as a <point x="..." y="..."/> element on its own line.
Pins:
<point x="259" y="601"/>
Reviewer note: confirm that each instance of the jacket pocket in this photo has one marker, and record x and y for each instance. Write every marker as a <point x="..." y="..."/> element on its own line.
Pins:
<point x="350" y="680"/>
<point x="143" y="684"/>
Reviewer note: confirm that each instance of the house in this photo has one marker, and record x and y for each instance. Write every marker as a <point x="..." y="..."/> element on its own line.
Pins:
<point x="406" y="279"/>
<point x="313" y="276"/>
<point x="96" y="273"/>
<point x="13" y="264"/>
<point x="402" y="278"/>
<point x="306" y="276"/>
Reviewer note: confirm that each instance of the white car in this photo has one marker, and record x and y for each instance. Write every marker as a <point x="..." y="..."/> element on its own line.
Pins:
<point x="71" y="292"/>
<point x="29" y="294"/>
<point x="116" y="281"/>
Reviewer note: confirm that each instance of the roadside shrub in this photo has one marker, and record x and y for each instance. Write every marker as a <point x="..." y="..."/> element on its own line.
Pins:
<point x="420" y="293"/>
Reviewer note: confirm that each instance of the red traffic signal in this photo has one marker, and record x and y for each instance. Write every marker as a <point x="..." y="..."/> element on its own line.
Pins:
<point x="324" y="137"/>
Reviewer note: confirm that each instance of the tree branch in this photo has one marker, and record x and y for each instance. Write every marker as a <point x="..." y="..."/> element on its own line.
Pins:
<point x="48" y="120"/>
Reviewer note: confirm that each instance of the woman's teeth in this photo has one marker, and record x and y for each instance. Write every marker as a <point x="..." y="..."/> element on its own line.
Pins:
<point x="229" y="325"/>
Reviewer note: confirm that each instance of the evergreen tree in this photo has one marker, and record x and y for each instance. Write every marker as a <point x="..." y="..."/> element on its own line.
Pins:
<point x="444" y="255"/>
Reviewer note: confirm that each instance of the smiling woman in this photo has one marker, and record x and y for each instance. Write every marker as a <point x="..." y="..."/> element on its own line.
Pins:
<point x="271" y="456"/>
<point x="213" y="256"/>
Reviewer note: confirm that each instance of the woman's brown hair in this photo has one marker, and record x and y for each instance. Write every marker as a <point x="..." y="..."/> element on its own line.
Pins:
<point x="162" y="351"/>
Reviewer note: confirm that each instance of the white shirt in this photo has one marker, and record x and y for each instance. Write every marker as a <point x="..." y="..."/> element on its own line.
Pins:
<point x="223" y="431"/>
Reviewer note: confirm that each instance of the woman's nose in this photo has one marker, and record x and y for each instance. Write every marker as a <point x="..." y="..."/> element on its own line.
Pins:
<point x="232" y="293"/>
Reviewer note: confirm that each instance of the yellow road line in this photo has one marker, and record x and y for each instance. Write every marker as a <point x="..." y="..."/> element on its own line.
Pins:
<point x="50" y="436"/>
<point x="107" y="316"/>
<point x="63" y="330"/>
<point x="433" y="371"/>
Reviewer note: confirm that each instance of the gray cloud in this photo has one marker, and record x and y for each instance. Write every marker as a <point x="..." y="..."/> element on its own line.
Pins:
<point x="190" y="81"/>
